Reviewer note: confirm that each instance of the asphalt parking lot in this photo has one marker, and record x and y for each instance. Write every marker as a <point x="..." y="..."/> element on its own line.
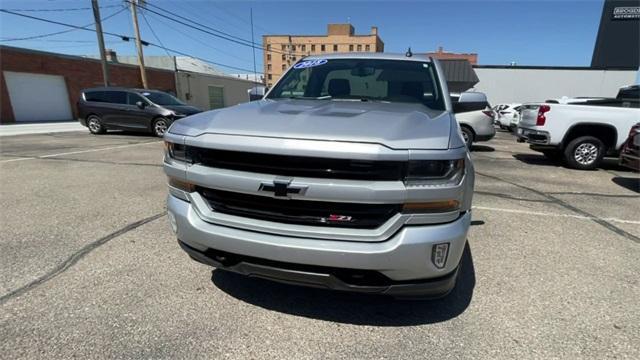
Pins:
<point x="90" y="268"/>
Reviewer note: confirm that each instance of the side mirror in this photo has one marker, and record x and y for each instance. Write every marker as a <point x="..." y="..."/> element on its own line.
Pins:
<point x="141" y="104"/>
<point x="257" y="92"/>
<point x="470" y="101"/>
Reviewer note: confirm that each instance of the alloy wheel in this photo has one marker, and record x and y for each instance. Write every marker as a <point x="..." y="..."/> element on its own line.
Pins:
<point x="160" y="127"/>
<point x="94" y="125"/>
<point x="586" y="153"/>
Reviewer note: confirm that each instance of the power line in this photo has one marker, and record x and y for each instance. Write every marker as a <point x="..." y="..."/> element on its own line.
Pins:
<point x="211" y="31"/>
<point x="61" y="10"/>
<point x="205" y="17"/>
<point x="153" y="32"/>
<point x="204" y="43"/>
<point x="125" y="38"/>
<point x="238" y="17"/>
<point x="57" y="32"/>
<point x="217" y="33"/>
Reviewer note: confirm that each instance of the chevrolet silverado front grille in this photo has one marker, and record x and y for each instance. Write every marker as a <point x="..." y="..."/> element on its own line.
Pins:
<point x="301" y="166"/>
<point x="301" y="212"/>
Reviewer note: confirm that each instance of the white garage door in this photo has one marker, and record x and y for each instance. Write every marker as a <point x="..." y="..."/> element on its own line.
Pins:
<point x="38" y="97"/>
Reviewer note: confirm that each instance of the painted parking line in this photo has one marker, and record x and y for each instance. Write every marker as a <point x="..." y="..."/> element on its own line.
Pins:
<point x="537" y="213"/>
<point x="77" y="152"/>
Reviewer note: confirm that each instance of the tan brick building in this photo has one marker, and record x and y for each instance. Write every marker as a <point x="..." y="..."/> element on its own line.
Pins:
<point x="282" y="51"/>
<point x="472" y="58"/>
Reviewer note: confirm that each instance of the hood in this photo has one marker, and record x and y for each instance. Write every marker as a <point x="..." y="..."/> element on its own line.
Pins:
<point x="183" y="109"/>
<point x="395" y="125"/>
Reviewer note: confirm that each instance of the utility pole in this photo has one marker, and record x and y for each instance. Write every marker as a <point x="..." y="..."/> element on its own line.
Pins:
<point x="134" y="14"/>
<point x="103" y="55"/>
<point x="253" y="47"/>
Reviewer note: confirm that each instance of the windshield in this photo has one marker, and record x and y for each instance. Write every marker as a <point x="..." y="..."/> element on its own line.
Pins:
<point x="362" y="80"/>
<point x="161" y="98"/>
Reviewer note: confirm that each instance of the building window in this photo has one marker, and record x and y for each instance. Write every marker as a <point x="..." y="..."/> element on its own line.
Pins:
<point x="268" y="67"/>
<point x="322" y="48"/>
<point x="284" y="67"/>
<point x="313" y="47"/>
<point x="284" y="47"/>
<point x="284" y="57"/>
<point x="367" y="48"/>
<point x="359" y="47"/>
<point x="303" y="47"/>
<point x="269" y="76"/>
<point x="350" y="48"/>
<point x="293" y="59"/>
<point x="268" y="57"/>
<point x="293" y="48"/>
<point x="268" y="46"/>
<point x="335" y="47"/>
<point x="216" y="97"/>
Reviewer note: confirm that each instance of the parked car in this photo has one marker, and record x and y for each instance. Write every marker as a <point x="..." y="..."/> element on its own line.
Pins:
<point x="504" y="113"/>
<point x="630" y="153"/>
<point x="515" y="118"/>
<point x="580" y="133"/>
<point x="350" y="174"/>
<point x="476" y="125"/>
<point x="111" y="108"/>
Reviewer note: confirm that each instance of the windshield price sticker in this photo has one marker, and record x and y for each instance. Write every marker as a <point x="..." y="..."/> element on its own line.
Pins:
<point x="310" y="63"/>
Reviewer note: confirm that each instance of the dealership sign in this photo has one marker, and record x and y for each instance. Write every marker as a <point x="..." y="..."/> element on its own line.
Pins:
<point x="626" y="13"/>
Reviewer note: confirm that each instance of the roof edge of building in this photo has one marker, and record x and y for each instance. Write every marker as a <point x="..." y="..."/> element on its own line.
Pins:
<point x="551" y="67"/>
<point x="72" y="57"/>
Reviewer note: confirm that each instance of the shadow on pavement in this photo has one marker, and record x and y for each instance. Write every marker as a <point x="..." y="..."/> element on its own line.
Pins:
<point x="128" y="133"/>
<point x="541" y="160"/>
<point x="482" y="148"/>
<point x="534" y="159"/>
<point x="631" y="183"/>
<point x="350" y="308"/>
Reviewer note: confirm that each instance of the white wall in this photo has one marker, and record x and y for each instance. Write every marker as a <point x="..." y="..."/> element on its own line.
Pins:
<point x="197" y="85"/>
<point x="505" y="85"/>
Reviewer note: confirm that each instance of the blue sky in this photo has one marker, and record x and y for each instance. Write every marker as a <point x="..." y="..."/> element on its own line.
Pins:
<point x="527" y="32"/>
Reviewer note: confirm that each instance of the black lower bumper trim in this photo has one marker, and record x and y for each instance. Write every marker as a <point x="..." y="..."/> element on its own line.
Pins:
<point x="323" y="277"/>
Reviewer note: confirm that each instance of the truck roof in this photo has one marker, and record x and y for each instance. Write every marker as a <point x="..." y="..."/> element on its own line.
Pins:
<point x="370" y="55"/>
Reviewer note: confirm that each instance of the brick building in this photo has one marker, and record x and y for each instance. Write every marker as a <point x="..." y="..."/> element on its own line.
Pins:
<point x="282" y="51"/>
<point x="472" y="58"/>
<point x="34" y="84"/>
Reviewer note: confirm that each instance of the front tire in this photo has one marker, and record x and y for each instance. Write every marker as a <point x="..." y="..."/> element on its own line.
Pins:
<point x="95" y="126"/>
<point x="584" y="153"/>
<point x="159" y="126"/>
<point x="467" y="136"/>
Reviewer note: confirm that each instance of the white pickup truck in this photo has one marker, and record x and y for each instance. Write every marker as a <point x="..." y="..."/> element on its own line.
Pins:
<point x="583" y="132"/>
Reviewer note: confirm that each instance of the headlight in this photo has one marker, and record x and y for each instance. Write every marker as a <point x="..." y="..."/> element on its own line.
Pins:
<point x="178" y="152"/>
<point x="434" y="172"/>
<point x="177" y="115"/>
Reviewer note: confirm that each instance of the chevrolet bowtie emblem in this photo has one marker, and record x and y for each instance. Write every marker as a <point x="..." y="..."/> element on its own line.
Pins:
<point x="282" y="188"/>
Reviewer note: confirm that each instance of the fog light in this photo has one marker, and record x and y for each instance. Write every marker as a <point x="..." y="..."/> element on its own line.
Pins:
<point x="439" y="255"/>
<point x="173" y="222"/>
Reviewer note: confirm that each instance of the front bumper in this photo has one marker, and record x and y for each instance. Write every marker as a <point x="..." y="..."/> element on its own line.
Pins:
<point x="319" y="277"/>
<point x="533" y="136"/>
<point x="404" y="259"/>
<point x="630" y="161"/>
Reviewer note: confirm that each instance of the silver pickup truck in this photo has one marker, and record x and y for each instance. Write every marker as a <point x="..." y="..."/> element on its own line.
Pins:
<point x="350" y="174"/>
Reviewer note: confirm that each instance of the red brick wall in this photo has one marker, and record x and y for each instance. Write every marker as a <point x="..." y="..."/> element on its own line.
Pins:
<point x="78" y="73"/>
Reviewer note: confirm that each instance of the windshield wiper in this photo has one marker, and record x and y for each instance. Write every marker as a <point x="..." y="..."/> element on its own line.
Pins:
<point x="326" y="97"/>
